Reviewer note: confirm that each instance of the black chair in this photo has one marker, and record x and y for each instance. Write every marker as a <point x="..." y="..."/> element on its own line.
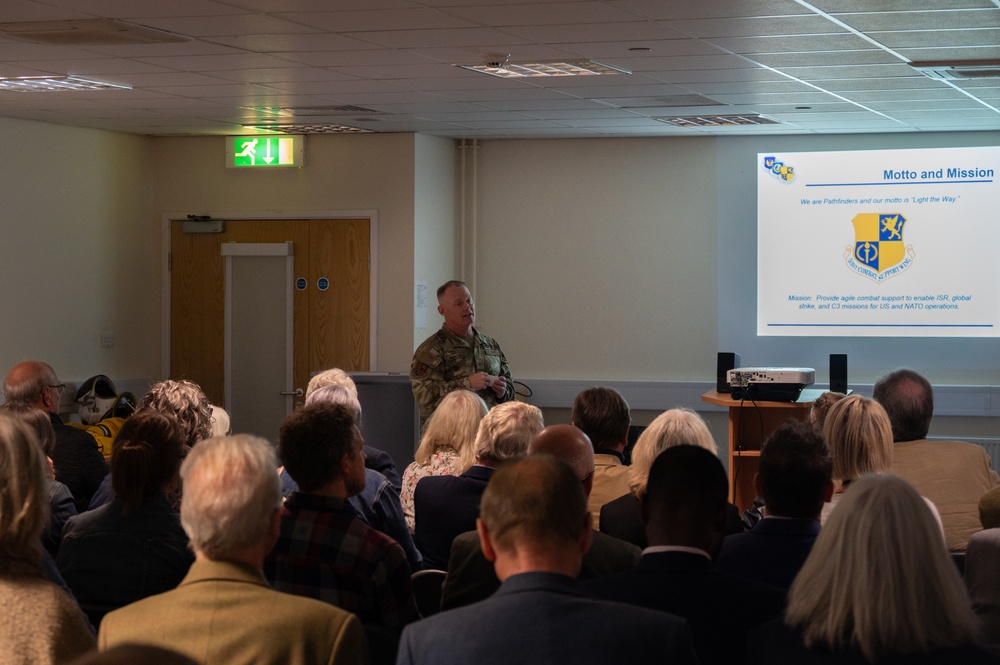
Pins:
<point x="427" y="587"/>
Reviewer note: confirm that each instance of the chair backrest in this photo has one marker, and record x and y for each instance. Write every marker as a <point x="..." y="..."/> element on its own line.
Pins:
<point x="427" y="585"/>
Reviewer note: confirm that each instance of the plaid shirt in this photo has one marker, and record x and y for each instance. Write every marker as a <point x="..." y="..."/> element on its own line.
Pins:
<point x="326" y="552"/>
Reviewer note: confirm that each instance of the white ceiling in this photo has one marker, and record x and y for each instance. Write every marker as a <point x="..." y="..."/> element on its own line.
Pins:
<point x="824" y="66"/>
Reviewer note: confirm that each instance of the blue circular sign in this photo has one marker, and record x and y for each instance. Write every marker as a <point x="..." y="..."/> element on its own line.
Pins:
<point x="323" y="284"/>
<point x="301" y="283"/>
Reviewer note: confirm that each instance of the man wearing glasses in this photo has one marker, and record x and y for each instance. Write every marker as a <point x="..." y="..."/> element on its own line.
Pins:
<point x="77" y="458"/>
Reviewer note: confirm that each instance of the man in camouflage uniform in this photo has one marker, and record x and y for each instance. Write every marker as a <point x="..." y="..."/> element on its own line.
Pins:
<point x="458" y="356"/>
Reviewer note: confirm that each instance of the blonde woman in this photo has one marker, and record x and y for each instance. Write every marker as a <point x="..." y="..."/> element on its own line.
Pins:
<point x="877" y="587"/>
<point x="447" y="446"/>
<point x="620" y="518"/>
<point x="859" y="434"/>
<point x="39" y="622"/>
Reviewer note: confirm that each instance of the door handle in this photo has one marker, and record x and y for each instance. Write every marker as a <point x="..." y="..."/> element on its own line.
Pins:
<point x="293" y="393"/>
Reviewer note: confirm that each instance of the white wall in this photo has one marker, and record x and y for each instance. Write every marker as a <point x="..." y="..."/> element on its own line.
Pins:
<point x="80" y="251"/>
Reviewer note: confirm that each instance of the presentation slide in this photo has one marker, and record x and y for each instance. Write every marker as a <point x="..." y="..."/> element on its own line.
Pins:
<point x="879" y="243"/>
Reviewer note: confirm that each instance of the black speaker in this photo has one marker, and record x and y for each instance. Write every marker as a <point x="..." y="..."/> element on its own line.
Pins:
<point x="727" y="361"/>
<point x="838" y="372"/>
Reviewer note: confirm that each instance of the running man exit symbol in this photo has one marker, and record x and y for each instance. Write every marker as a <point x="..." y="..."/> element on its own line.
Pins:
<point x="263" y="151"/>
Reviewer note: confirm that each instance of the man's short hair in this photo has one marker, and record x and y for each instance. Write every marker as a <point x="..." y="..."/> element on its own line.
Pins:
<point x="30" y="386"/>
<point x="795" y="470"/>
<point x="185" y="401"/>
<point x="687" y="482"/>
<point x="447" y="285"/>
<point x="231" y="490"/>
<point x="909" y="400"/>
<point x="536" y="499"/>
<point x="313" y="440"/>
<point x="603" y="415"/>
<point x="505" y="431"/>
<point x="335" y="394"/>
<point x="332" y="377"/>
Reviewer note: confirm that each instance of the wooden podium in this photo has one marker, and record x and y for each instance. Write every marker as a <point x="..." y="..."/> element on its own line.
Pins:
<point x="750" y="423"/>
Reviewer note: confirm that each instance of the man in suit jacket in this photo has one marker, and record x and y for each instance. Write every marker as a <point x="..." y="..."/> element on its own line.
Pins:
<point x="794" y="481"/>
<point x="684" y="509"/>
<point x="953" y="475"/>
<point x="223" y="611"/>
<point x="470" y="574"/>
<point x="535" y="527"/>
<point x="445" y="506"/>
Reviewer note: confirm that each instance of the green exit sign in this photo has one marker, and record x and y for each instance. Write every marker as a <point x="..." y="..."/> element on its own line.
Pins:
<point x="263" y="151"/>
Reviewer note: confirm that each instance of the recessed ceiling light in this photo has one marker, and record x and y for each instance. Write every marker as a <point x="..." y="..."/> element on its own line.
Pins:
<point x="543" y="69"/>
<point x="324" y="128"/>
<point x="717" y="120"/>
<point x="57" y="84"/>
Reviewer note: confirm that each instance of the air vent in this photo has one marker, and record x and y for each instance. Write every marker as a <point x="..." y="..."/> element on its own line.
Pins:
<point x="958" y="69"/>
<point x="504" y="69"/>
<point x="87" y="31"/>
<point x="717" y="120"/>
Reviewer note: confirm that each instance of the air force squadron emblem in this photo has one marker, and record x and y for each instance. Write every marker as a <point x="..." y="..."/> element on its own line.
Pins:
<point x="878" y="252"/>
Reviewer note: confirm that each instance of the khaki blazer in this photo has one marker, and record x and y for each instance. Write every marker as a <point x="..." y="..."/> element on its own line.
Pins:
<point x="225" y="613"/>
<point x="610" y="482"/>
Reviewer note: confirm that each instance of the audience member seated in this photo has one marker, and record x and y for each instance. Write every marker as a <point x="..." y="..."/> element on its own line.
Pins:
<point x="684" y="508"/>
<point x="223" y="611"/>
<point x="982" y="578"/>
<point x="325" y="551"/>
<point x="61" y="505"/>
<point x="446" y="506"/>
<point x="603" y="415"/>
<point x="39" y="622"/>
<point x="182" y="400"/>
<point x="620" y="518"/>
<point x="76" y="456"/>
<point x="133" y="547"/>
<point x="794" y="481"/>
<point x="859" y="434"/>
<point x="878" y="587"/>
<point x="953" y="475"/>
<point x="375" y="459"/>
<point x="535" y="528"/>
<point x="471" y="576"/>
<point x="447" y="447"/>
<point x="821" y="407"/>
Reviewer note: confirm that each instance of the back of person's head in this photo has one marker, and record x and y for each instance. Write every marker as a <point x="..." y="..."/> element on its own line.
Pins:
<point x="336" y="394"/>
<point x="879" y="580"/>
<point x="568" y="444"/>
<point x="313" y="440"/>
<point x="858" y="432"/>
<point x="603" y="415"/>
<point x="687" y="493"/>
<point x="220" y="422"/>
<point x="821" y="407"/>
<point x="795" y="470"/>
<point x="675" y="427"/>
<point x="185" y="401"/>
<point x="145" y="457"/>
<point x="909" y="400"/>
<point x="24" y="504"/>
<point x="332" y="377"/>
<point x="453" y="425"/>
<point x="231" y="490"/>
<point x="37" y="419"/>
<point x="27" y="380"/>
<point x="505" y="431"/>
<point x="989" y="509"/>
<point x="537" y="500"/>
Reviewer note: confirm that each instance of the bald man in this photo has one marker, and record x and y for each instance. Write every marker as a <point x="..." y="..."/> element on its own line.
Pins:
<point x="472" y="578"/>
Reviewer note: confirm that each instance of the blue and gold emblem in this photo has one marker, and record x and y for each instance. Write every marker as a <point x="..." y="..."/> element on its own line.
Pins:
<point x="879" y="252"/>
<point x="779" y="170"/>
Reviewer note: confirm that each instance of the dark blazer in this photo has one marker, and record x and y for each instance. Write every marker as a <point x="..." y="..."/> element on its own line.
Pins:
<point x="471" y="577"/>
<point x="776" y="643"/>
<point x="79" y="464"/>
<point x="719" y="608"/>
<point x="542" y="619"/>
<point x="443" y="507"/>
<point x="621" y="518"/>
<point x="381" y="461"/>
<point x="772" y="552"/>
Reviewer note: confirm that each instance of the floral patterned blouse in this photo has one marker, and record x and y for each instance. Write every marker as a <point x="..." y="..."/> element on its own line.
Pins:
<point x="442" y="463"/>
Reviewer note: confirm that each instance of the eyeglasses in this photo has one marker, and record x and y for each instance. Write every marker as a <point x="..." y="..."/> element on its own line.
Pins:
<point x="59" y="388"/>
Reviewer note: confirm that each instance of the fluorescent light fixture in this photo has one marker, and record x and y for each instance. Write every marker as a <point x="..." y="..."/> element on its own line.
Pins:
<point x="958" y="69"/>
<point x="324" y="128"/>
<point x="57" y="84"/>
<point x="718" y="120"/>
<point x="509" y="70"/>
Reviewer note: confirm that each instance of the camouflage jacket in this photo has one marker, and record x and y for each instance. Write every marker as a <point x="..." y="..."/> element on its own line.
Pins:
<point x="444" y="361"/>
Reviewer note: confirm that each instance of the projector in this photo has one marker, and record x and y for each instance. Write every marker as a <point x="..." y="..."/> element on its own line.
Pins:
<point x="770" y="384"/>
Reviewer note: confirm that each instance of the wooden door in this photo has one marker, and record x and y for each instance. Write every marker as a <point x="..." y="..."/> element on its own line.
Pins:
<point x="331" y="326"/>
